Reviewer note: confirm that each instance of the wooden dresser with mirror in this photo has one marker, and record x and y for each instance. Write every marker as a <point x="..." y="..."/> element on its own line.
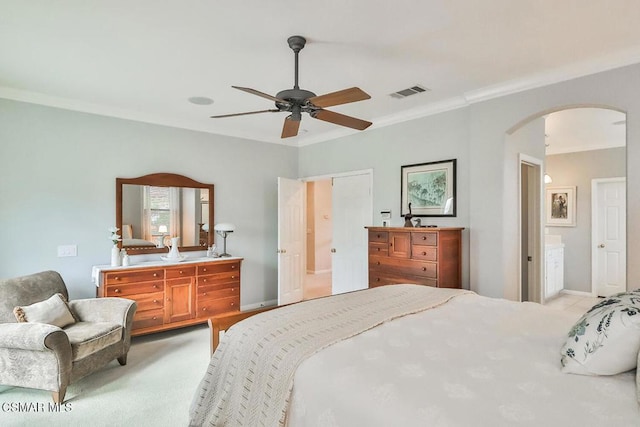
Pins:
<point x="422" y="256"/>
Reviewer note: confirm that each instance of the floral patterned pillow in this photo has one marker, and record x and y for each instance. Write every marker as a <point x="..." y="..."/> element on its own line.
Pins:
<point x="606" y="339"/>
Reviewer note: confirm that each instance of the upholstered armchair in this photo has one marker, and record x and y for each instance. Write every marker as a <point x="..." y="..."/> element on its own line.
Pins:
<point x="48" y="357"/>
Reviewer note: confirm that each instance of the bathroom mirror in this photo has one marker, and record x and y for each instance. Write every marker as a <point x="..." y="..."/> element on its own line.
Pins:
<point x="152" y="209"/>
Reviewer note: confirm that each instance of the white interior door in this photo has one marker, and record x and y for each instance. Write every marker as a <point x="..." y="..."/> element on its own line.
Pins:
<point x="291" y="240"/>
<point x="352" y="211"/>
<point x="609" y="245"/>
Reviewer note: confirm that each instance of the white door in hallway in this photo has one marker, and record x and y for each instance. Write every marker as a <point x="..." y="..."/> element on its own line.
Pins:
<point x="609" y="243"/>
<point x="352" y="211"/>
<point x="291" y="240"/>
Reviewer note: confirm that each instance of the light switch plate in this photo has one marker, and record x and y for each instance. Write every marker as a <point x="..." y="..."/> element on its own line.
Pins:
<point x="67" y="250"/>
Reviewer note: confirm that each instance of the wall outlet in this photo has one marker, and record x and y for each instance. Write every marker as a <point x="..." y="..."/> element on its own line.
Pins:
<point x="67" y="250"/>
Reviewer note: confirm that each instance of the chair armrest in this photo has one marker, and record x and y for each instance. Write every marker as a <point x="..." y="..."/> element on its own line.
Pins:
<point x="33" y="336"/>
<point x="114" y="310"/>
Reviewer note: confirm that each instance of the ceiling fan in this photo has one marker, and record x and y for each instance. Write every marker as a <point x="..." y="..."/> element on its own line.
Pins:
<point x="297" y="101"/>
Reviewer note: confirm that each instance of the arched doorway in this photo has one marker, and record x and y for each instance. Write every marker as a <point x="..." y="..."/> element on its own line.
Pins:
<point x="577" y="146"/>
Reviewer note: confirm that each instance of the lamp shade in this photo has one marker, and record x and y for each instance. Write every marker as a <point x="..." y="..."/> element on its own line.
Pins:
<point x="547" y="179"/>
<point x="224" y="226"/>
<point x="162" y="229"/>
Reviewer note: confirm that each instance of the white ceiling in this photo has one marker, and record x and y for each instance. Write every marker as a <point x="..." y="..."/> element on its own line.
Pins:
<point x="142" y="59"/>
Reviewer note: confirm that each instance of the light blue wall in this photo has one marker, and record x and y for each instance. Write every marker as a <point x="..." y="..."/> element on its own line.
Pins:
<point x="58" y="187"/>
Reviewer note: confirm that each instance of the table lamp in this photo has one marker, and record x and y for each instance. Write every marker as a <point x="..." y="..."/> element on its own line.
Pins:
<point x="223" y="229"/>
<point x="162" y="229"/>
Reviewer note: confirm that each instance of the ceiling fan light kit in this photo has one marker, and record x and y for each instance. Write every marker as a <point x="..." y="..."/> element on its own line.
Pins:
<point x="297" y="101"/>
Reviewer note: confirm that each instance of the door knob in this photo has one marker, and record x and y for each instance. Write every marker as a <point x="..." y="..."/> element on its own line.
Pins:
<point x="282" y="251"/>
<point x="601" y="245"/>
<point x="333" y="250"/>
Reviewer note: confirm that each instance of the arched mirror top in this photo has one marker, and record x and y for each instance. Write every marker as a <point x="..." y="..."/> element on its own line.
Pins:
<point x="152" y="209"/>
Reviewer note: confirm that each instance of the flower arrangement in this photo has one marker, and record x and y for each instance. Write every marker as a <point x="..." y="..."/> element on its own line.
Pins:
<point x="115" y="237"/>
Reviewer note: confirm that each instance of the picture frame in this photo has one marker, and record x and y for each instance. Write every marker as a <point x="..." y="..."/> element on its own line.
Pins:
<point x="430" y="188"/>
<point x="560" y="206"/>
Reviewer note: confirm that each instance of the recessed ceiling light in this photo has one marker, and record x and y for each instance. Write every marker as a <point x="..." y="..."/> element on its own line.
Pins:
<point x="200" y="100"/>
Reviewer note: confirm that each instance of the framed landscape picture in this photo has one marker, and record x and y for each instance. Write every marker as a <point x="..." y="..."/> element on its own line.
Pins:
<point x="560" y="206"/>
<point x="430" y="188"/>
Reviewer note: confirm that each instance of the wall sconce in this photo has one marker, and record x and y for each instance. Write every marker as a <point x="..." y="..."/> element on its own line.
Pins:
<point x="547" y="179"/>
<point x="223" y="229"/>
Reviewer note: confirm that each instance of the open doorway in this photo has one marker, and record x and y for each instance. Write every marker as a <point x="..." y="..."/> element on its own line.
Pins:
<point x="582" y="146"/>
<point x="317" y="280"/>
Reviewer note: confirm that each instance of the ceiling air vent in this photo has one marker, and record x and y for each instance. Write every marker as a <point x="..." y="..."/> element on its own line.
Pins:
<point x="408" y="92"/>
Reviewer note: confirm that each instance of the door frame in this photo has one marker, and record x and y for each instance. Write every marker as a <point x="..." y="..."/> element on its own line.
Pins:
<point x="594" y="229"/>
<point x="538" y="215"/>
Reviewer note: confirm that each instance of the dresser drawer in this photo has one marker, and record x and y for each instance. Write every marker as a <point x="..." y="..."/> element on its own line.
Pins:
<point x="379" y="236"/>
<point x="218" y="291"/>
<point x="404" y="266"/>
<point x="226" y="277"/>
<point x="379" y="249"/>
<point x="383" y="278"/>
<point x="177" y="272"/>
<point x="218" y="268"/>
<point x="426" y="253"/>
<point x="211" y="307"/>
<point x="148" y="318"/>
<point x="149" y="301"/>
<point x="428" y="238"/>
<point x="115" y="277"/>
<point x="125" y="289"/>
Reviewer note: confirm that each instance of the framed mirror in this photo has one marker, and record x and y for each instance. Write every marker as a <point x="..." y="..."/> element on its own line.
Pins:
<point x="152" y="209"/>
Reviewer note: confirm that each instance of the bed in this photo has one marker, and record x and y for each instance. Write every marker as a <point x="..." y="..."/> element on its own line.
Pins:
<point x="406" y="355"/>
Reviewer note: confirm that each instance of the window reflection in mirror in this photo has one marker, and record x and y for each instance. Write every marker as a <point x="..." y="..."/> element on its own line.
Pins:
<point x="151" y="215"/>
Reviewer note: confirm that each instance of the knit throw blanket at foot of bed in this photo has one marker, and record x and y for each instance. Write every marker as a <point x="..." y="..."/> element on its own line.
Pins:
<point x="250" y="376"/>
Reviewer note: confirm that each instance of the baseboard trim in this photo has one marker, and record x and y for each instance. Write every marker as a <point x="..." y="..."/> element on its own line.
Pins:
<point x="318" y="271"/>
<point x="578" y="293"/>
<point x="259" y="305"/>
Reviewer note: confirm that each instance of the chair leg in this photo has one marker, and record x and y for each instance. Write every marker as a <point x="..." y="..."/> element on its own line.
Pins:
<point x="58" y="397"/>
<point x="122" y="359"/>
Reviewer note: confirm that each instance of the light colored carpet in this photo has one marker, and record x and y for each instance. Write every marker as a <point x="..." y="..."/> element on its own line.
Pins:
<point x="155" y="388"/>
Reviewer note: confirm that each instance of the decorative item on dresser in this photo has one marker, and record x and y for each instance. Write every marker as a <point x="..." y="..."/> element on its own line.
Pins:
<point x="173" y="295"/>
<point x="422" y="256"/>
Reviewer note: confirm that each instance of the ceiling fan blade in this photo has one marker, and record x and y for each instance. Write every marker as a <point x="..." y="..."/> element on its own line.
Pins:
<point x="290" y="127"/>
<point x="340" y="119"/>
<point x="340" y="97"/>
<point x="262" y="94"/>
<point x="245" y="114"/>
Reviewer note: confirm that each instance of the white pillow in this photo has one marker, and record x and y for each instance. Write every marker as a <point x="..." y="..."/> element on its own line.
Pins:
<point x="606" y="339"/>
<point x="53" y="311"/>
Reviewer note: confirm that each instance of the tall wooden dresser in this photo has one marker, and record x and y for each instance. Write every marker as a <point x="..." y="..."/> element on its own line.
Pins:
<point x="174" y="295"/>
<point x="422" y="256"/>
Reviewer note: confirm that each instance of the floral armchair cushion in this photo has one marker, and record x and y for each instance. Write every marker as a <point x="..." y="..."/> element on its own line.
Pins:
<point x="606" y="339"/>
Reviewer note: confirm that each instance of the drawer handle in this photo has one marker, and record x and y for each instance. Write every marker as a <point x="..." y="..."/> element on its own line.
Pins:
<point x="233" y="277"/>
<point x="168" y="299"/>
<point x="378" y="249"/>
<point x="155" y="274"/>
<point x="204" y="280"/>
<point x="116" y="278"/>
<point x="424" y="268"/>
<point x="233" y="266"/>
<point x="116" y="291"/>
<point x="424" y="237"/>
<point x="424" y="253"/>
<point x="378" y="236"/>
<point x="155" y="301"/>
<point x="204" y="269"/>
<point x="154" y="317"/>
<point x="377" y="262"/>
<point x="180" y="272"/>
<point x="204" y="309"/>
<point x="377" y="279"/>
<point x="232" y="303"/>
<point x="233" y="289"/>
<point x="204" y="293"/>
<point x="155" y="286"/>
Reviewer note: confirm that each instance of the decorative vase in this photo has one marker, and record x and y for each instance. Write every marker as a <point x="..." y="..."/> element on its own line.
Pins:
<point x="115" y="256"/>
<point x="173" y="253"/>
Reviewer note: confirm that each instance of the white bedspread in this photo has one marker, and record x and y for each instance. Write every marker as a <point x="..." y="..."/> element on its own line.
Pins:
<point x="474" y="361"/>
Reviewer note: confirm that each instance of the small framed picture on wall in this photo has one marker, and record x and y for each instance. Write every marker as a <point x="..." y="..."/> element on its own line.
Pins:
<point x="560" y="206"/>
